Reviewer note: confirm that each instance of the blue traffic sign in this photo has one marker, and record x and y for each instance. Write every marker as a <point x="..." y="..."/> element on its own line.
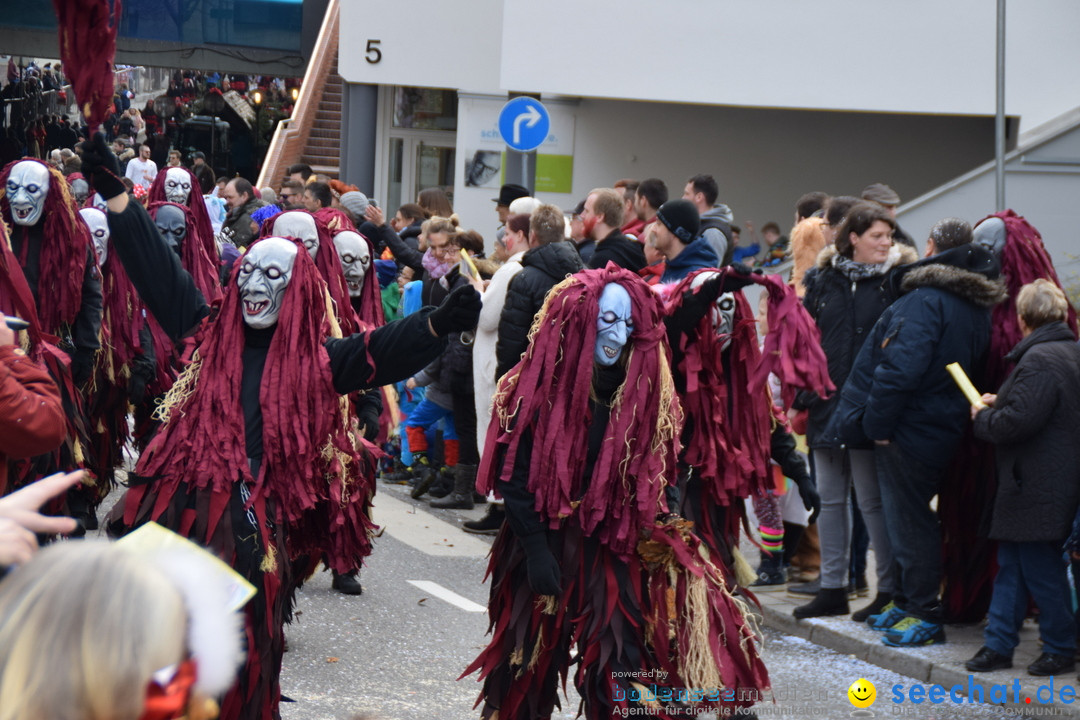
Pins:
<point x="524" y="124"/>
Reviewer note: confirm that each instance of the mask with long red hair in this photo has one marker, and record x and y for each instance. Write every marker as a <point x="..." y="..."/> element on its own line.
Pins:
<point x="202" y="266"/>
<point x="548" y="395"/>
<point x="312" y="465"/>
<point x="64" y="249"/>
<point x="195" y="204"/>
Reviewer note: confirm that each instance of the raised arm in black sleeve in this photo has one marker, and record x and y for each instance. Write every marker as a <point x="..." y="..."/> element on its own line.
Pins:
<point x="398" y="350"/>
<point x="167" y="289"/>
<point x="402" y="252"/>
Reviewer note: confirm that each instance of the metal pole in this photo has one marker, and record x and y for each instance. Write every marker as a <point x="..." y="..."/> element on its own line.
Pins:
<point x="999" y="120"/>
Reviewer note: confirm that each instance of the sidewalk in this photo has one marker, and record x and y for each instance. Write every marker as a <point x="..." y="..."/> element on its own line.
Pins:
<point x="937" y="664"/>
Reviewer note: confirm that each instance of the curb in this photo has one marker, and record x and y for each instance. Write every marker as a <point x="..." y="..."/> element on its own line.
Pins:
<point x="910" y="664"/>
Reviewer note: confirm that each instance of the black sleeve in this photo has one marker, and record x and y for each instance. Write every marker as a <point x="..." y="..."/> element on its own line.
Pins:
<point x="520" y="503"/>
<point x="371" y="231"/>
<point x="87" y="325"/>
<point x="402" y="252"/>
<point x="514" y="323"/>
<point x="396" y="351"/>
<point x="155" y="271"/>
<point x="790" y="460"/>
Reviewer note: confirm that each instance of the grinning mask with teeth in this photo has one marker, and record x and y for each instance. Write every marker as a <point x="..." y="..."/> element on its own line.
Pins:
<point x="79" y="190"/>
<point x="27" y="186"/>
<point x="300" y="225"/>
<point x="177" y="186"/>
<point x="99" y="232"/>
<point x="613" y="324"/>
<point x="172" y="224"/>
<point x="355" y="259"/>
<point x="264" y="273"/>
<point x="722" y="312"/>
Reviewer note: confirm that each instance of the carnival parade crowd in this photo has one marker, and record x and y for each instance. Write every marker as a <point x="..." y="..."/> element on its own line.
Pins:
<point x="622" y="382"/>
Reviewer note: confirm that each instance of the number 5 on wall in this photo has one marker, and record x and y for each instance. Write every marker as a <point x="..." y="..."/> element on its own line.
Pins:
<point x="374" y="54"/>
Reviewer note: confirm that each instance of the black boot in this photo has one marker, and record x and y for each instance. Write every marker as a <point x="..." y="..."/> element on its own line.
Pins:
<point x="423" y="474"/>
<point x="489" y="524"/>
<point x="444" y="483"/>
<point x="461" y="497"/>
<point x="880" y="601"/>
<point x="348" y="583"/>
<point x="397" y="474"/>
<point x="828" y="601"/>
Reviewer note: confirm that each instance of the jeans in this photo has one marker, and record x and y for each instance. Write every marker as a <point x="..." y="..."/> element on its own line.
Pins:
<point x="1038" y="569"/>
<point x="907" y="487"/>
<point x="428" y="413"/>
<point x="837" y="470"/>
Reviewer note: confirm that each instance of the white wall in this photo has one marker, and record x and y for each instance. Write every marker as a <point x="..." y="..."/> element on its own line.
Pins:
<point x="919" y="56"/>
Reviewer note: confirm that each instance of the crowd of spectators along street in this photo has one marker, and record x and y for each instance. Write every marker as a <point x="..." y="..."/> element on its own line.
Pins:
<point x="891" y="312"/>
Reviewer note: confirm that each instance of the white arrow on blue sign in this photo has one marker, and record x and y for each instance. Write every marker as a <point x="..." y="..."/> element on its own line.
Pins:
<point x="524" y="124"/>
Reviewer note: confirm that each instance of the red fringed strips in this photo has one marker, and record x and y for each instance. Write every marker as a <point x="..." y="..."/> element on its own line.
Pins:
<point x="88" y="31"/>
<point x="547" y="394"/>
<point x="202" y="265"/>
<point x="203" y="227"/>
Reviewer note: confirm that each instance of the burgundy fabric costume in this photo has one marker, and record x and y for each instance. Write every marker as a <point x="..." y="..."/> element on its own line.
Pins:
<point x="639" y="594"/>
<point x="87" y="46"/>
<point x="63" y="255"/>
<point x="16" y="299"/>
<point x="193" y="253"/>
<point x="729" y="414"/>
<point x="965" y="504"/>
<point x="200" y="219"/>
<point x="260" y="514"/>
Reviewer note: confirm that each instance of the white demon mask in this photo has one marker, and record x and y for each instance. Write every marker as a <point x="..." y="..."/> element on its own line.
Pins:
<point x="264" y="274"/>
<point x="99" y="232"/>
<point x="722" y="313"/>
<point x="177" y="185"/>
<point x="355" y="259"/>
<point x="172" y="224"/>
<point x="80" y="189"/>
<point x="27" y="187"/>
<point x="300" y="225"/>
<point x="613" y="324"/>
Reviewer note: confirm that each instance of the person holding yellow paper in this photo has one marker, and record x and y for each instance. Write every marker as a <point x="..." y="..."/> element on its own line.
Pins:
<point x="915" y="413"/>
<point x="1032" y="422"/>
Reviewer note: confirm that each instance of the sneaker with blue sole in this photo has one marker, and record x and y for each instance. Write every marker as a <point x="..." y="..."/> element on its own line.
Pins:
<point x="913" y="632"/>
<point x="889" y="616"/>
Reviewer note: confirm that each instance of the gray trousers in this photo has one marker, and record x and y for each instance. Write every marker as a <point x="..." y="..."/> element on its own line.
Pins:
<point x="836" y="470"/>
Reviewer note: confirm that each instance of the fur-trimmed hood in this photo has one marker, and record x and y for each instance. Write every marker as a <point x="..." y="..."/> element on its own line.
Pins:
<point x="970" y="271"/>
<point x="900" y="254"/>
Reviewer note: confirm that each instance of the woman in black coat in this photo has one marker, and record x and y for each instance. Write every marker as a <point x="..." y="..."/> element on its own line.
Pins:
<point x="846" y="293"/>
<point x="1033" y="421"/>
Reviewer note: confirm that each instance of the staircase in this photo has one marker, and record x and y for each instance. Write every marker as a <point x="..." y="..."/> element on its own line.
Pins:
<point x="322" y="151"/>
<point x="313" y="134"/>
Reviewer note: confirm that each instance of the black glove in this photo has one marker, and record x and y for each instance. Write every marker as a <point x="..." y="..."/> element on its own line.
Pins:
<point x="545" y="576"/>
<point x="101" y="166"/>
<point x="460" y="311"/>
<point x="810" y="498"/>
<point x="82" y="366"/>
<point x="695" y="305"/>
<point x="369" y="421"/>
<point x="738" y="277"/>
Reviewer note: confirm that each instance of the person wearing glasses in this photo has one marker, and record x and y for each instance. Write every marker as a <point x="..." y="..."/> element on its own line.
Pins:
<point x="291" y="196"/>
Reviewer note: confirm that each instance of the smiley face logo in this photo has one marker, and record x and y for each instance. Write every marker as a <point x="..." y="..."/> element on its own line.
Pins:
<point x="862" y="693"/>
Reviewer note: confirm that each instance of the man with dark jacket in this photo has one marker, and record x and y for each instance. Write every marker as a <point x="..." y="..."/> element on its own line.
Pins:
<point x="240" y="198"/>
<point x="716" y="218"/>
<point x="675" y="237"/>
<point x="602" y="217"/>
<point x="548" y="261"/>
<point x="915" y="413"/>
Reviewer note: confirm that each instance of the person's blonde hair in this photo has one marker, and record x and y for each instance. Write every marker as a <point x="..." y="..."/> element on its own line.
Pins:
<point x="1041" y="302"/>
<point x="83" y="628"/>
<point x="608" y="206"/>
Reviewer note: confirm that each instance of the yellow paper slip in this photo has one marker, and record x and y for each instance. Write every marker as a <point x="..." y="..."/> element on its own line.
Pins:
<point x="152" y="538"/>
<point x="964" y="383"/>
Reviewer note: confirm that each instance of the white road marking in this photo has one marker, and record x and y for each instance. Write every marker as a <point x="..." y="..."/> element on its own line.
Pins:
<point x="448" y="595"/>
<point x="423" y="531"/>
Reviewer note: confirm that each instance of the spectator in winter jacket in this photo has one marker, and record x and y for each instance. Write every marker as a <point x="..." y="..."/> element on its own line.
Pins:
<point x="914" y="412"/>
<point x="547" y="262"/>
<point x="602" y="217"/>
<point x="676" y="237"/>
<point x="1032" y="420"/>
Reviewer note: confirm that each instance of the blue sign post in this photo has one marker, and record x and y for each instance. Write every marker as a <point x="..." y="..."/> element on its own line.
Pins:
<point x="524" y="124"/>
